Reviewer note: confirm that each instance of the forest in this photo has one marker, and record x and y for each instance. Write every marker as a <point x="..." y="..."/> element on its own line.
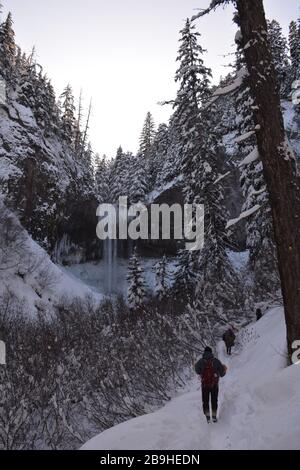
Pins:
<point x="83" y="354"/>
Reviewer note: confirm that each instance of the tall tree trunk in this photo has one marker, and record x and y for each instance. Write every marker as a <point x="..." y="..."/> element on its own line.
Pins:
<point x="277" y="158"/>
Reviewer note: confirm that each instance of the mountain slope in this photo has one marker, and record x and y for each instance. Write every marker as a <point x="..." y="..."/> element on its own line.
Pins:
<point x="257" y="394"/>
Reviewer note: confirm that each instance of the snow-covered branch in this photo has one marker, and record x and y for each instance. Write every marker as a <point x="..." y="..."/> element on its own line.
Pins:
<point x="213" y="5"/>
<point x="243" y="215"/>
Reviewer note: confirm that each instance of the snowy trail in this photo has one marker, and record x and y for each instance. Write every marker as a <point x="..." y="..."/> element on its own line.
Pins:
<point x="259" y="404"/>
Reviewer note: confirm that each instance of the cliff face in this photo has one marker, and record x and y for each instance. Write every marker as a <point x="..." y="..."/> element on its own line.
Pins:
<point x="43" y="180"/>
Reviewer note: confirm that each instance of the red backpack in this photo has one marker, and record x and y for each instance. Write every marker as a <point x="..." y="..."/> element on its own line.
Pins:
<point x="209" y="377"/>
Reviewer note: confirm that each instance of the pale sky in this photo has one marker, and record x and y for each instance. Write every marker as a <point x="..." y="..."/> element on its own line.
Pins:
<point x="122" y="54"/>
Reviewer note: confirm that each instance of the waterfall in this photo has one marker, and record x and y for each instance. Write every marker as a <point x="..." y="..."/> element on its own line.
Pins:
<point x="110" y="255"/>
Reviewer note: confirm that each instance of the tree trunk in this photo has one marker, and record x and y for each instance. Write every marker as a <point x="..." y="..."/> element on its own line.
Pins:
<point x="277" y="158"/>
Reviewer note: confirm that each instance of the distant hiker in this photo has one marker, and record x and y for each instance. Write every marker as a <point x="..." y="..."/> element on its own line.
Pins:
<point x="210" y="369"/>
<point x="258" y="314"/>
<point x="229" y="339"/>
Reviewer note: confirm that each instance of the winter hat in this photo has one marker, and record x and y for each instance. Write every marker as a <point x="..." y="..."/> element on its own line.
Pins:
<point x="208" y="349"/>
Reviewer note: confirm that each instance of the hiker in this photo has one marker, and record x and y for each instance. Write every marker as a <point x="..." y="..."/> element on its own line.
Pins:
<point x="258" y="314"/>
<point x="229" y="339"/>
<point x="210" y="369"/>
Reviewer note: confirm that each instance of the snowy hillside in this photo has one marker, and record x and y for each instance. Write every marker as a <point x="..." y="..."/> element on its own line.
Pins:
<point x="259" y="407"/>
<point x="28" y="275"/>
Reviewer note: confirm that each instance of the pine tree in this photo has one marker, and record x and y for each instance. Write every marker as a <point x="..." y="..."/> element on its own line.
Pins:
<point x="68" y="114"/>
<point x="171" y="167"/>
<point x="118" y="180"/>
<point x="161" y="287"/>
<point x="136" y="283"/>
<point x="147" y="137"/>
<point x="139" y="184"/>
<point x="78" y="133"/>
<point x="294" y="46"/>
<point x="200" y="138"/>
<point x="193" y="78"/>
<point x="185" y="277"/>
<point x="102" y="179"/>
<point x="7" y="49"/>
<point x="160" y="149"/>
<point x="279" y="49"/>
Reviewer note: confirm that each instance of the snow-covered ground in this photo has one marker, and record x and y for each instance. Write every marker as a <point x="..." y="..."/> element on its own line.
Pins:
<point x="238" y="259"/>
<point x="36" y="282"/>
<point x="259" y="403"/>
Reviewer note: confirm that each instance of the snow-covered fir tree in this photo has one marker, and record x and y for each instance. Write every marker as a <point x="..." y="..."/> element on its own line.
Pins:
<point x="193" y="79"/>
<point x="279" y="50"/>
<point x="186" y="276"/>
<point x="199" y="154"/>
<point x="7" y="49"/>
<point x="139" y="180"/>
<point x="171" y="164"/>
<point x="119" y="171"/>
<point x="147" y="137"/>
<point x="136" y="282"/>
<point x="294" y="46"/>
<point x="102" y="172"/>
<point x="68" y="114"/>
<point x="161" y="278"/>
<point x="161" y="145"/>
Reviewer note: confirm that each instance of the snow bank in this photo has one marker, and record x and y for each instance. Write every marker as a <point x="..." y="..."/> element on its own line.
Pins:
<point x="259" y="403"/>
<point x="37" y="283"/>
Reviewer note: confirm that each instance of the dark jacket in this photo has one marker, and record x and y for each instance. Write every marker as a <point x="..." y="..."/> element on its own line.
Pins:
<point x="229" y="338"/>
<point x="217" y="365"/>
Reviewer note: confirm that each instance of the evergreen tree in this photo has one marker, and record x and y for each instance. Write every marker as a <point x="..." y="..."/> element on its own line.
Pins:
<point x="7" y="49"/>
<point x="118" y="180"/>
<point x="136" y="283"/>
<point x="193" y="78"/>
<point x="171" y="167"/>
<point x="147" y="137"/>
<point x="139" y="184"/>
<point x="185" y="277"/>
<point x="160" y="149"/>
<point x="294" y="46"/>
<point x="200" y="138"/>
<point x="78" y="133"/>
<point x="68" y="114"/>
<point x="102" y="179"/>
<point x="161" y="287"/>
<point x="279" y="49"/>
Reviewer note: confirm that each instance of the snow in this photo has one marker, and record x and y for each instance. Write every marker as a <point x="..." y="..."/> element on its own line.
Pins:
<point x="252" y="157"/>
<point x="8" y="170"/>
<point x="221" y="177"/>
<point x="44" y="283"/>
<point x="229" y="89"/>
<point x="244" y="137"/>
<point x="259" y="403"/>
<point x="243" y="215"/>
<point x="153" y="195"/>
<point x="239" y="259"/>
<point x="235" y="85"/>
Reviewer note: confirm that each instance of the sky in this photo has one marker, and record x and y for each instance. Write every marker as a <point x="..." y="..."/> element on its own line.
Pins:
<point x="122" y="54"/>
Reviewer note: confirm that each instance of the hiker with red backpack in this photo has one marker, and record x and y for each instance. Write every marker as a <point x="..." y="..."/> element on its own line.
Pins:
<point x="210" y="369"/>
